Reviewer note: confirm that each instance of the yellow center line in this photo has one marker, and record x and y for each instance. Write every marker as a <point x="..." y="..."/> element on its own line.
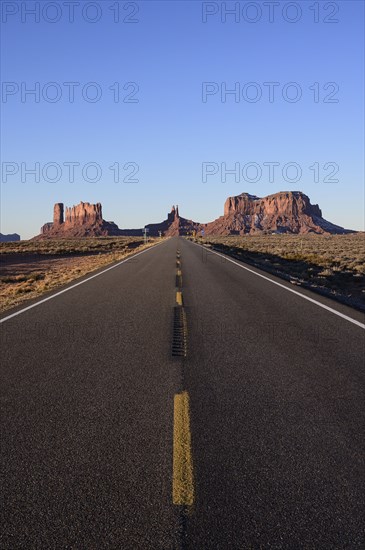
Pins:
<point x="183" y="478"/>
<point x="179" y="298"/>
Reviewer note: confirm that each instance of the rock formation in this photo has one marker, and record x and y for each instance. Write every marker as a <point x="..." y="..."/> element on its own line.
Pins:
<point x="9" y="238"/>
<point x="58" y="214"/>
<point x="83" y="214"/>
<point x="284" y="212"/>
<point x="83" y="220"/>
<point x="173" y="225"/>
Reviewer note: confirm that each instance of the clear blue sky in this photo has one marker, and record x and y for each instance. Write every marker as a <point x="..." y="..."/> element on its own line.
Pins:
<point x="169" y="52"/>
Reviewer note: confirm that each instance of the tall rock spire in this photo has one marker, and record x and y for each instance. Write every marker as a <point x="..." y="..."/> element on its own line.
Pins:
<point x="58" y="213"/>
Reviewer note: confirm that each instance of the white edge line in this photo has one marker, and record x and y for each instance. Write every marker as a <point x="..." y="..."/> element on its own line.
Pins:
<point x="77" y="284"/>
<point x="350" y="319"/>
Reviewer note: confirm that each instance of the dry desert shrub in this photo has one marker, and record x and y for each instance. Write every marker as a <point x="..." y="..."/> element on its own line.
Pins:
<point x="332" y="263"/>
<point x="31" y="268"/>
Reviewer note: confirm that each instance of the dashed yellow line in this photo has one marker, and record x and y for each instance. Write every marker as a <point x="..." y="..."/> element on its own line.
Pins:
<point x="183" y="477"/>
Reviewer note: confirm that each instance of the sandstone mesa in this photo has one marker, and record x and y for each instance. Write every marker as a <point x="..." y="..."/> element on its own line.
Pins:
<point x="244" y="214"/>
<point x="9" y="238"/>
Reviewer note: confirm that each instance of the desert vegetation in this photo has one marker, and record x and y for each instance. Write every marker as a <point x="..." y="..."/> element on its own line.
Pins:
<point x="84" y="245"/>
<point x="331" y="264"/>
<point x="31" y="268"/>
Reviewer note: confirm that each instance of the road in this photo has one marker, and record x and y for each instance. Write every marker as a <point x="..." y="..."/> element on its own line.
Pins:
<point x="252" y="437"/>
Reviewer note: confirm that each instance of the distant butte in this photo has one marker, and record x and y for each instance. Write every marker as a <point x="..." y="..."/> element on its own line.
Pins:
<point x="283" y="212"/>
<point x="83" y="220"/>
<point x="244" y="214"/>
<point x="9" y="238"/>
<point x="86" y="220"/>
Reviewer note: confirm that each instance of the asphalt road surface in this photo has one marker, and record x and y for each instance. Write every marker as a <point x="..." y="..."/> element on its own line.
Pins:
<point x="252" y="437"/>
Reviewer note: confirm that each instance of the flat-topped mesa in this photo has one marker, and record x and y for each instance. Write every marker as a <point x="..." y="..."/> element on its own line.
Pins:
<point x="290" y="203"/>
<point x="9" y="238"/>
<point x="240" y="203"/>
<point x="283" y="212"/>
<point x="285" y="202"/>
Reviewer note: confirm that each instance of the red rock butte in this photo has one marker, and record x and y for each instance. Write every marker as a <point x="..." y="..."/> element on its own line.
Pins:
<point x="244" y="214"/>
<point x="283" y="212"/>
<point x="83" y="220"/>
